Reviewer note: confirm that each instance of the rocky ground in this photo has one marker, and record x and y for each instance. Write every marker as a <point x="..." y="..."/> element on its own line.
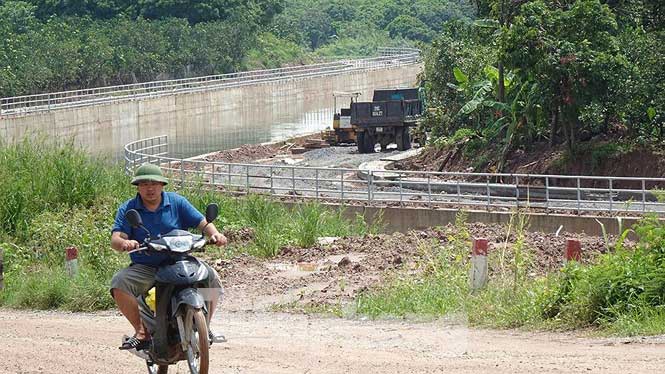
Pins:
<point x="334" y="272"/>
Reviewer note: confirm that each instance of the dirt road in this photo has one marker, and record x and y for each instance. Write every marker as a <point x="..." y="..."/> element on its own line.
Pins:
<point x="52" y="342"/>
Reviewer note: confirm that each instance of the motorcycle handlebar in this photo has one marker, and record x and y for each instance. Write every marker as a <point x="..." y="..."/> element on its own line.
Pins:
<point x="140" y="248"/>
<point x="145" y="247"/>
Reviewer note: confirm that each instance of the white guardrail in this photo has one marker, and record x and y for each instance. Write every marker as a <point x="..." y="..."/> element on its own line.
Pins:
<point x="550" y="193"/>
<point x="20" y="105"/>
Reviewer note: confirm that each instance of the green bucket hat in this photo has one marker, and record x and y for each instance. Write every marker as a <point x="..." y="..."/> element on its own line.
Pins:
<point x="149" y="172"/>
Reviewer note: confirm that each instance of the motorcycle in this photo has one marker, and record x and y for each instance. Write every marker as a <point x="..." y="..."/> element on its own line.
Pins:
<point x="178" y="324"/>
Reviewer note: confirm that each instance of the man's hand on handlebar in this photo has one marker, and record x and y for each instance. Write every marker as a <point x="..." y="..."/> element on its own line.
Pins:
<point x="129" y="245"/>
<point x="218" y="239"/>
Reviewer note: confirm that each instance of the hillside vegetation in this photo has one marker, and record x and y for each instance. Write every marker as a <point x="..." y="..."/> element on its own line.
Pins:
<point x="59" y="45"/>
<point x="532" y="74"/>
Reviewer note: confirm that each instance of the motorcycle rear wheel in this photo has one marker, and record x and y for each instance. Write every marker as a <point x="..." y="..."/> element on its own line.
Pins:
<point x="197" y="351"/>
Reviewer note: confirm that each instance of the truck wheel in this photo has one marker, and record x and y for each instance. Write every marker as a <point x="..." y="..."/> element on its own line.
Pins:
<point x="365" y="142"/>
<point x="403" y="139"/>
<point x="369" y="143"/>
<point x="360" y="140"/>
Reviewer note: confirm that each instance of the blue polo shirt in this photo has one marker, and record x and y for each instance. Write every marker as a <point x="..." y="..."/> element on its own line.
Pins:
<point x="174" y="212"/>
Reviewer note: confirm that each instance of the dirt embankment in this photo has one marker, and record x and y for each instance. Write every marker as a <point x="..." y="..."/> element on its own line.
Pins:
<point x="334" y="273"/>
<point x="594" y="158"/>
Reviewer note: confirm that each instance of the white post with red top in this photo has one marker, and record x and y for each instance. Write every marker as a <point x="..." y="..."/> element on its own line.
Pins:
<point x="71" y="262"/>
<point x="478" y="273"/>
<point x="573" y="250"/>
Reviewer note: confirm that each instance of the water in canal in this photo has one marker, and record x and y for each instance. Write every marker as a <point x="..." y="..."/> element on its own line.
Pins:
<point x="274" y="127"/>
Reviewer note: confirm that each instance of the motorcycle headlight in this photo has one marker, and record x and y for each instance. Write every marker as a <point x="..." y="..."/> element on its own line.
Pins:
<point x="179" y="243"/>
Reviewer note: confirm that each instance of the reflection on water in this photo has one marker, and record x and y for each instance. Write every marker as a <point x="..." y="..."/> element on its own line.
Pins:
<point x="284" y="127"/>
<point x="308" y="123"/>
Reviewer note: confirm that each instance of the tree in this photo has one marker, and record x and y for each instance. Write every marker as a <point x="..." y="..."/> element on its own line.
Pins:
<point x="573" y="54"/>
<point x="262" y="11"/>
<point x="409" y="27"/>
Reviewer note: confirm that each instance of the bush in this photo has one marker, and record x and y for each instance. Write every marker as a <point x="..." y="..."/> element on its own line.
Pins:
<point x="41" y="175"/>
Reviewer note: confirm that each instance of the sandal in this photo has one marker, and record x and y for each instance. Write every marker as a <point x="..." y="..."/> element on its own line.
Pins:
<point x="135" y="343"/>
<point x="215" y="338"/>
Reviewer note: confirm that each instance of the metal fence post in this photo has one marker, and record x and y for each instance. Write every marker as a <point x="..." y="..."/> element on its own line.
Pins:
<point x="369" y="187"/>
<point x="341" y="179"/>
<point x="272" y="185"/>
<point x="579" y="196"/>
<point x="401" y="196"/>
<point x="459" y="192"/>
<point x="547" y="194"/>
<point x="517" y="191"/>
<point x="644" y="196"/>
<point x="247" y="180"/>
<point x="611" y="195"/>
<point x="316" y="184"/>
<point x="429" y="190"/>
<point x="182" y="173"/>
<point x="488" y="193"/>
<point x="213" y="169"/>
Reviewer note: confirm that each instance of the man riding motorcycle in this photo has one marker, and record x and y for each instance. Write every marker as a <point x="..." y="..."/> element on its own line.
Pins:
<point x="161" y="212"/>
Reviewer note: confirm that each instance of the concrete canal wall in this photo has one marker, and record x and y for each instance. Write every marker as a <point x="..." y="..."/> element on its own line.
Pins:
<point x="201" y="121"/>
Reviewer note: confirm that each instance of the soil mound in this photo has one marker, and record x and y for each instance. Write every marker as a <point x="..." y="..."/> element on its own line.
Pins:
<point x="336" y="271"/>
<point x="593" y="158"/>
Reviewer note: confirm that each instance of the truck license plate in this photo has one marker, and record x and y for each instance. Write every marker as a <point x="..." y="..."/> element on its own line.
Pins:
<point x="379" y="129"/>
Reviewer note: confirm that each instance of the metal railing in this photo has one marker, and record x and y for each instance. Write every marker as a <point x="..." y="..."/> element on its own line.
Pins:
<point x="19" y="105"/>
<point x="549" y="193"/>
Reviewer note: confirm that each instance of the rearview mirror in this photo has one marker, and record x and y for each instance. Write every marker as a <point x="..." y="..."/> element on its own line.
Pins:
<point x="134" y="218"/>
<point x="212" y="210"/>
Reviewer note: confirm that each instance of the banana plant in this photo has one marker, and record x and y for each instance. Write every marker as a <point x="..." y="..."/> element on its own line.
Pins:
<point x="481" y="92"/>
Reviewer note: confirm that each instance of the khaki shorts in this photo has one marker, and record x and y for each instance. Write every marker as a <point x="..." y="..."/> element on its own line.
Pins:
<point x="137" y="279"/>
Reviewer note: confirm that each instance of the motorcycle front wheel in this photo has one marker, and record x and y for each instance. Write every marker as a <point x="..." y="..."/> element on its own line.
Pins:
<point x="157" y="369"/>
<point x="197" y="349"/>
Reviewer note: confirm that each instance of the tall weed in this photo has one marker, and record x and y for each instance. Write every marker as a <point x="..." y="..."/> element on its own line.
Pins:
<point x="309" y="221"/>
<point x="40" y="175"/>
<point x="438" y="289"/>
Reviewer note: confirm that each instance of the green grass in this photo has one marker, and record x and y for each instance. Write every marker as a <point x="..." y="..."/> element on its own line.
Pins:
<point x="46" y="287"/>
<point x="54" y="196"/>
<point x="622" y="294"/>
<point x="641" y="321"/>
<point x="41" y="175"/>
<point x="276" y="225"/>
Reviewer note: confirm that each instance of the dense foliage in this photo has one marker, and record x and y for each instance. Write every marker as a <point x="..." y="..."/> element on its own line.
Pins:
<point x="66" y="51"/>
<point x="533" y="71"/>
<point x="50" y="46"/>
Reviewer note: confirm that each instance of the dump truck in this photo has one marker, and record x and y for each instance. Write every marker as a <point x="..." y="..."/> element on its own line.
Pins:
<point x="386" y="119"/>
